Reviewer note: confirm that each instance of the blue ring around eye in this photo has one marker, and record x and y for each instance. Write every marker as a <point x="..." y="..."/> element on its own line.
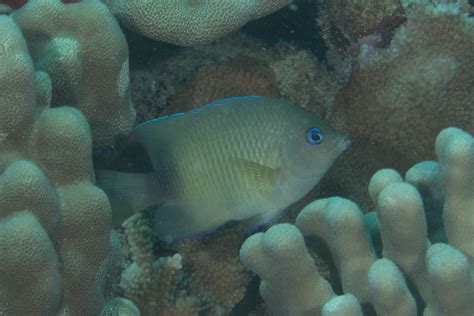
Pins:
<point x="314" y="136"/>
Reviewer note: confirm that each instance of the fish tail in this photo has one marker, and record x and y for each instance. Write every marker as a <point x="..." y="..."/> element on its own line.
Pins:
<point x="128" y="192"/>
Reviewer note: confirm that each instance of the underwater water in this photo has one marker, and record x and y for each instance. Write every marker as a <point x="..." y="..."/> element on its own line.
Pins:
<point x="236" y="157"/>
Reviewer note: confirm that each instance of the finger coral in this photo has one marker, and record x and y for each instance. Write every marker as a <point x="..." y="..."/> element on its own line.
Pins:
<point x="191" y="22"/>
<point x="81" y="47"/>
<point x="54" y="222"/>
<point x="291" y="284"/>
<point x="411" y="267"/>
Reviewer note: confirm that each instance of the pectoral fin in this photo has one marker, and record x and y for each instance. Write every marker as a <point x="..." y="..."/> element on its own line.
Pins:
<point x="262" y="178"/>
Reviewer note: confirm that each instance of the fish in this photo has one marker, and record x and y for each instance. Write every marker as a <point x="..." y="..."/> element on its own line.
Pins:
<point x="243" y="158"/>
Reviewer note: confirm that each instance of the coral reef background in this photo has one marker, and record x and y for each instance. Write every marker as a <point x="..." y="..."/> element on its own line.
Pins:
<point x="76" y="76"/>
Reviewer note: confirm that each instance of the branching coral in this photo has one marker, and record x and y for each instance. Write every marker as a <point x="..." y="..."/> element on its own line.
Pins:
<point x="204" y="276"/>
<point x="190" y="22"/>
<point x="440" y="273"/>
<point x="152" y="285"/>
<point x="216" y="274"/>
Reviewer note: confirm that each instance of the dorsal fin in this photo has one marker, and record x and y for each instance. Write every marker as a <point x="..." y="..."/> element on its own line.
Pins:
<point x="218" y="102"/>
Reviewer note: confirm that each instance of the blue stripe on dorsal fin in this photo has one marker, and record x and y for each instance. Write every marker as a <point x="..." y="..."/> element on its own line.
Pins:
<point x="227" y="101"/>
<point x="213" y="103"/>
<point x="159" y="119"/>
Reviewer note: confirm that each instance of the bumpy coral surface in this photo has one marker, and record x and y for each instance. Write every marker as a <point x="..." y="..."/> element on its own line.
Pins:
<point x="216" y="274"/>
<point x="400" y="97"/>
<point x="190" y="22"/>
<point x="82" y="48"/>
<point x="356" y="19"/>
<point x="239" y="76"/>
<point x="204" y="276"/>
<point x="234" y="65"/>
<point x="440" y="274"/>
<point x="54" y="222"/>
<point x="424" y="76"/>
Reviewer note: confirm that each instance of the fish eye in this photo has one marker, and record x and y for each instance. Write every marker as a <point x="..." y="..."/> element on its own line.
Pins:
<point x="314" y="136"/>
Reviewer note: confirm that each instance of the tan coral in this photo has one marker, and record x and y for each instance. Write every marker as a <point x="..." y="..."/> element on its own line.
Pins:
<point x="216" y="274"/>
<point x="356" y="19"/>
<point x="137" y="276"/>
<point x="119" y="306"/>
<point x="237" y="77"/>
<point x="154" y="286"/>
<point x="204" y="276"/>
<point x="233" y="65"/>
<point x="190" y="22"/>
<point x="55" y="221"/>
<point x="82" y="48"/>
<point x="400" y="97"/>
<point x="30" y="280"/>
<point x="301" y="79"/>
<point x="440" y="273"/>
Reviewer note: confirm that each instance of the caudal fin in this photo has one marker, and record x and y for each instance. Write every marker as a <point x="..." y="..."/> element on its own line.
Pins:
<point x="128" y="192"/>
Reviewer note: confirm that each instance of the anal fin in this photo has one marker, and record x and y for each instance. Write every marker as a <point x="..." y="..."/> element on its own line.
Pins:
<point x="176" y="221"/>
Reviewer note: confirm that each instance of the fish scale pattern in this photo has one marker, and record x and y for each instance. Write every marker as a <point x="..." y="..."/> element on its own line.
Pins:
<point x="234" y="159"/>
<point x="236" y="140"/>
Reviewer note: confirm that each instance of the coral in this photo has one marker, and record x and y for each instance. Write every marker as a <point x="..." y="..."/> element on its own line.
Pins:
<point x="400" y="97"/>
<point x="191" y="22"/>
<point x="347" y="25"/>
<point x="54" y="222"/>
<point x="369" y="21"/>
<point x="204" y="276"/>
<point x="238" y="76"/>
<point x="119" y="306"/>
<point x="236" y="64"/>
<point x="152" y="285"/>
<point x="215" y="272"/>
<point x="302" y="79"/>
<point x="439" y="274"/>
<point x="136" y="277"/>
<point x="81" y="47"/>
<point x="148" y="93"/>
<point x="342" y="305"/>
<point x="279" y="256"/>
